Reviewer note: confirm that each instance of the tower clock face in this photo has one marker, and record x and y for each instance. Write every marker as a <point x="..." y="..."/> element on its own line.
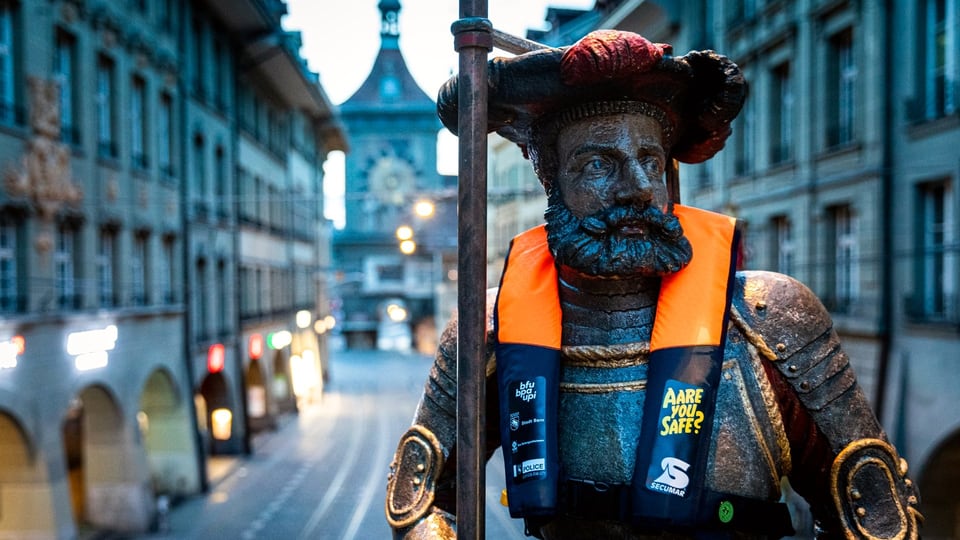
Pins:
<point x="391" y="179"/>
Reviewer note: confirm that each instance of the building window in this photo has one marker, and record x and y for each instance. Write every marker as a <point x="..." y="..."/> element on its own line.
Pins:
<point x="743" y="133"/>
<point x="138" y="123"/>
<point x="200" y="301"/>
<point x="65" y="278"/>
<point x="8" y="63"/>
<point x="783" y="247"/>
<point x="199" y="89"/>
<point x="938" y="264"/>
<point x="9" y="275"/>
<point x="138" y="269"/>
<point x="106" y="251"/>
<point x="165" y="278"/>
<point x="106" y="140"/>
<point x="841" y="88"/>
<point x="200" y="174"/>
<point x="781" y="114"/>
<point x="843" y="268"/>
<point x="223" y="294"/>
<point x="220" y="182"/>
<point x="221" y="74"/>
<point x="65" y="73"/>
<point x="941" y="60"/>
<point x="165" y="133"/>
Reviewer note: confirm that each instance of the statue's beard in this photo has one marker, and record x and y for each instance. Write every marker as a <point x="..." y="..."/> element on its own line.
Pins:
<point x="620" y="241"/>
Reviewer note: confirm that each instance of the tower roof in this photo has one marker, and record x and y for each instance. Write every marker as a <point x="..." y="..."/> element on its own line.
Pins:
<point x="389" y="84"/>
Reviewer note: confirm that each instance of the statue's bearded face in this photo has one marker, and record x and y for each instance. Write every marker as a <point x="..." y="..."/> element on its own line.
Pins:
<point x="607" y="213"/>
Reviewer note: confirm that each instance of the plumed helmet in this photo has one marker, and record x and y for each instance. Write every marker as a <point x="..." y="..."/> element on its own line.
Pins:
<point x="694" y="97"/>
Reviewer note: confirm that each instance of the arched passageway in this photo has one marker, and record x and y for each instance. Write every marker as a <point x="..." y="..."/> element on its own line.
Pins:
<point x="106" y="467"/>
<point x="165" y="428"/>
<point x="218" y="416"/>
<point x="26" y="502"/>
<point x="938" y="491"/>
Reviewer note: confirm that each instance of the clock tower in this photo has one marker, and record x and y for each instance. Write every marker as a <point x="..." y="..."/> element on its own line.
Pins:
<point x="389" y="297"/>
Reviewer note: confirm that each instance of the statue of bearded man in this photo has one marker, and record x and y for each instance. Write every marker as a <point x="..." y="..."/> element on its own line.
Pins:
<point x="639" y="386"/>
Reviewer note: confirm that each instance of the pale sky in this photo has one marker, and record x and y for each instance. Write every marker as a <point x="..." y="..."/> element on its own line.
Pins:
<point x="341" y="40"/>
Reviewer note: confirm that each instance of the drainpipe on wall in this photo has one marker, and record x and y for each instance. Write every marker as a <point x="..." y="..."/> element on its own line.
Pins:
<point x="886" y="213"/>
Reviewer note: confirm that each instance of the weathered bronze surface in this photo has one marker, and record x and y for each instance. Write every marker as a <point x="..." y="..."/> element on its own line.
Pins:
<point x="788" y="403"/>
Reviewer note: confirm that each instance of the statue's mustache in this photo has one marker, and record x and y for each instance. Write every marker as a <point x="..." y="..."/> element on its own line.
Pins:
<point x="645" y="222"/>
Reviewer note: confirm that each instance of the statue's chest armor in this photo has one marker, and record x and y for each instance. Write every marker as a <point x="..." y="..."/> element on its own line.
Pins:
<point x="601" y="409"/>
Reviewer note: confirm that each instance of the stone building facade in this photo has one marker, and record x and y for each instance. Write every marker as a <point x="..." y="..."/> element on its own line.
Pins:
<point x="124" y="347"/>
<point x="843" y="165"/>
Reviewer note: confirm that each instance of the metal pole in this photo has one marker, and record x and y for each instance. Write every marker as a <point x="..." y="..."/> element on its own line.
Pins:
<point x="473" y="41"/>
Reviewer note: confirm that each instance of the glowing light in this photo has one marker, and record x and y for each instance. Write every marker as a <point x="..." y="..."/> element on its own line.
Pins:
<point x="215" y="358"/>
<point x="91" y="360"/>
<point x="303" y="370"/>
<point x="144" y="422"/>
<point x="279" y="340"/>
<point x="303" y="318"/>
<point x="396" y="313"/>
<point x="330" y="321"/>
<point x="407" y="247"/>
<point x="222" y="420"/>
<point x="9" y="350"/>
<point x="90" y="341"/>
<point x="424" y="208"/>
<point x="404" y="232"/>
<point x="255" y="346"/>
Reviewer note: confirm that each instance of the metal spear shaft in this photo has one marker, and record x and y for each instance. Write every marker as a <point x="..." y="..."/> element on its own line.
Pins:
<point x="473" y="41"/>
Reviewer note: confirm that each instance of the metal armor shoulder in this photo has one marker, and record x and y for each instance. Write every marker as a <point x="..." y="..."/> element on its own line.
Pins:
<point x="790" y="327"/>
<point x="786" y="322"/>
<point x="780" y="310"/>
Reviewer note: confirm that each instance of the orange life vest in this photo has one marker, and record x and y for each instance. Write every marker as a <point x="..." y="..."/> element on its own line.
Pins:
<point x="690" y="322"/>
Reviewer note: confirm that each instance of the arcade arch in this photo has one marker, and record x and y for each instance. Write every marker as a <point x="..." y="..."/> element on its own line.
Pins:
<point x="938" y="490"/>
<point x="26" y="502"/>
<point x="165" y="428"/>
<point x="106" y="467"/>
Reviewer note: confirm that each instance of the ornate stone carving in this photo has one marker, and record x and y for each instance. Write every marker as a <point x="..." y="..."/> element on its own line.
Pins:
<point x="44" y="174"/>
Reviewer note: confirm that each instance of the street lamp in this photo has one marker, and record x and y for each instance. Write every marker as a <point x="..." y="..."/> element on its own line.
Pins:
<point x="424" y="208"/>
<point x="404" y="232"/>
<point x="407" y="247"/>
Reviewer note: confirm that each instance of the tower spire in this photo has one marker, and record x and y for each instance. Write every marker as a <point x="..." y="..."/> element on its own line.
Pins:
<point x="389" y="24"/>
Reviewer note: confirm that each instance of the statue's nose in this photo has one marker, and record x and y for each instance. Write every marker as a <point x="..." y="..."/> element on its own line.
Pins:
<point x="634" y="186"/>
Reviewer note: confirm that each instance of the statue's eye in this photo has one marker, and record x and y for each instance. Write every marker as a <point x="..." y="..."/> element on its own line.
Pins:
<point x="597" y="166"/>
<point x="652" y="165"/>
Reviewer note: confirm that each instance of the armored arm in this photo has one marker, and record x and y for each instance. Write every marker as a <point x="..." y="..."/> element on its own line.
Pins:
<point x="842" y="463"/>
<point x="421" y="486"/>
